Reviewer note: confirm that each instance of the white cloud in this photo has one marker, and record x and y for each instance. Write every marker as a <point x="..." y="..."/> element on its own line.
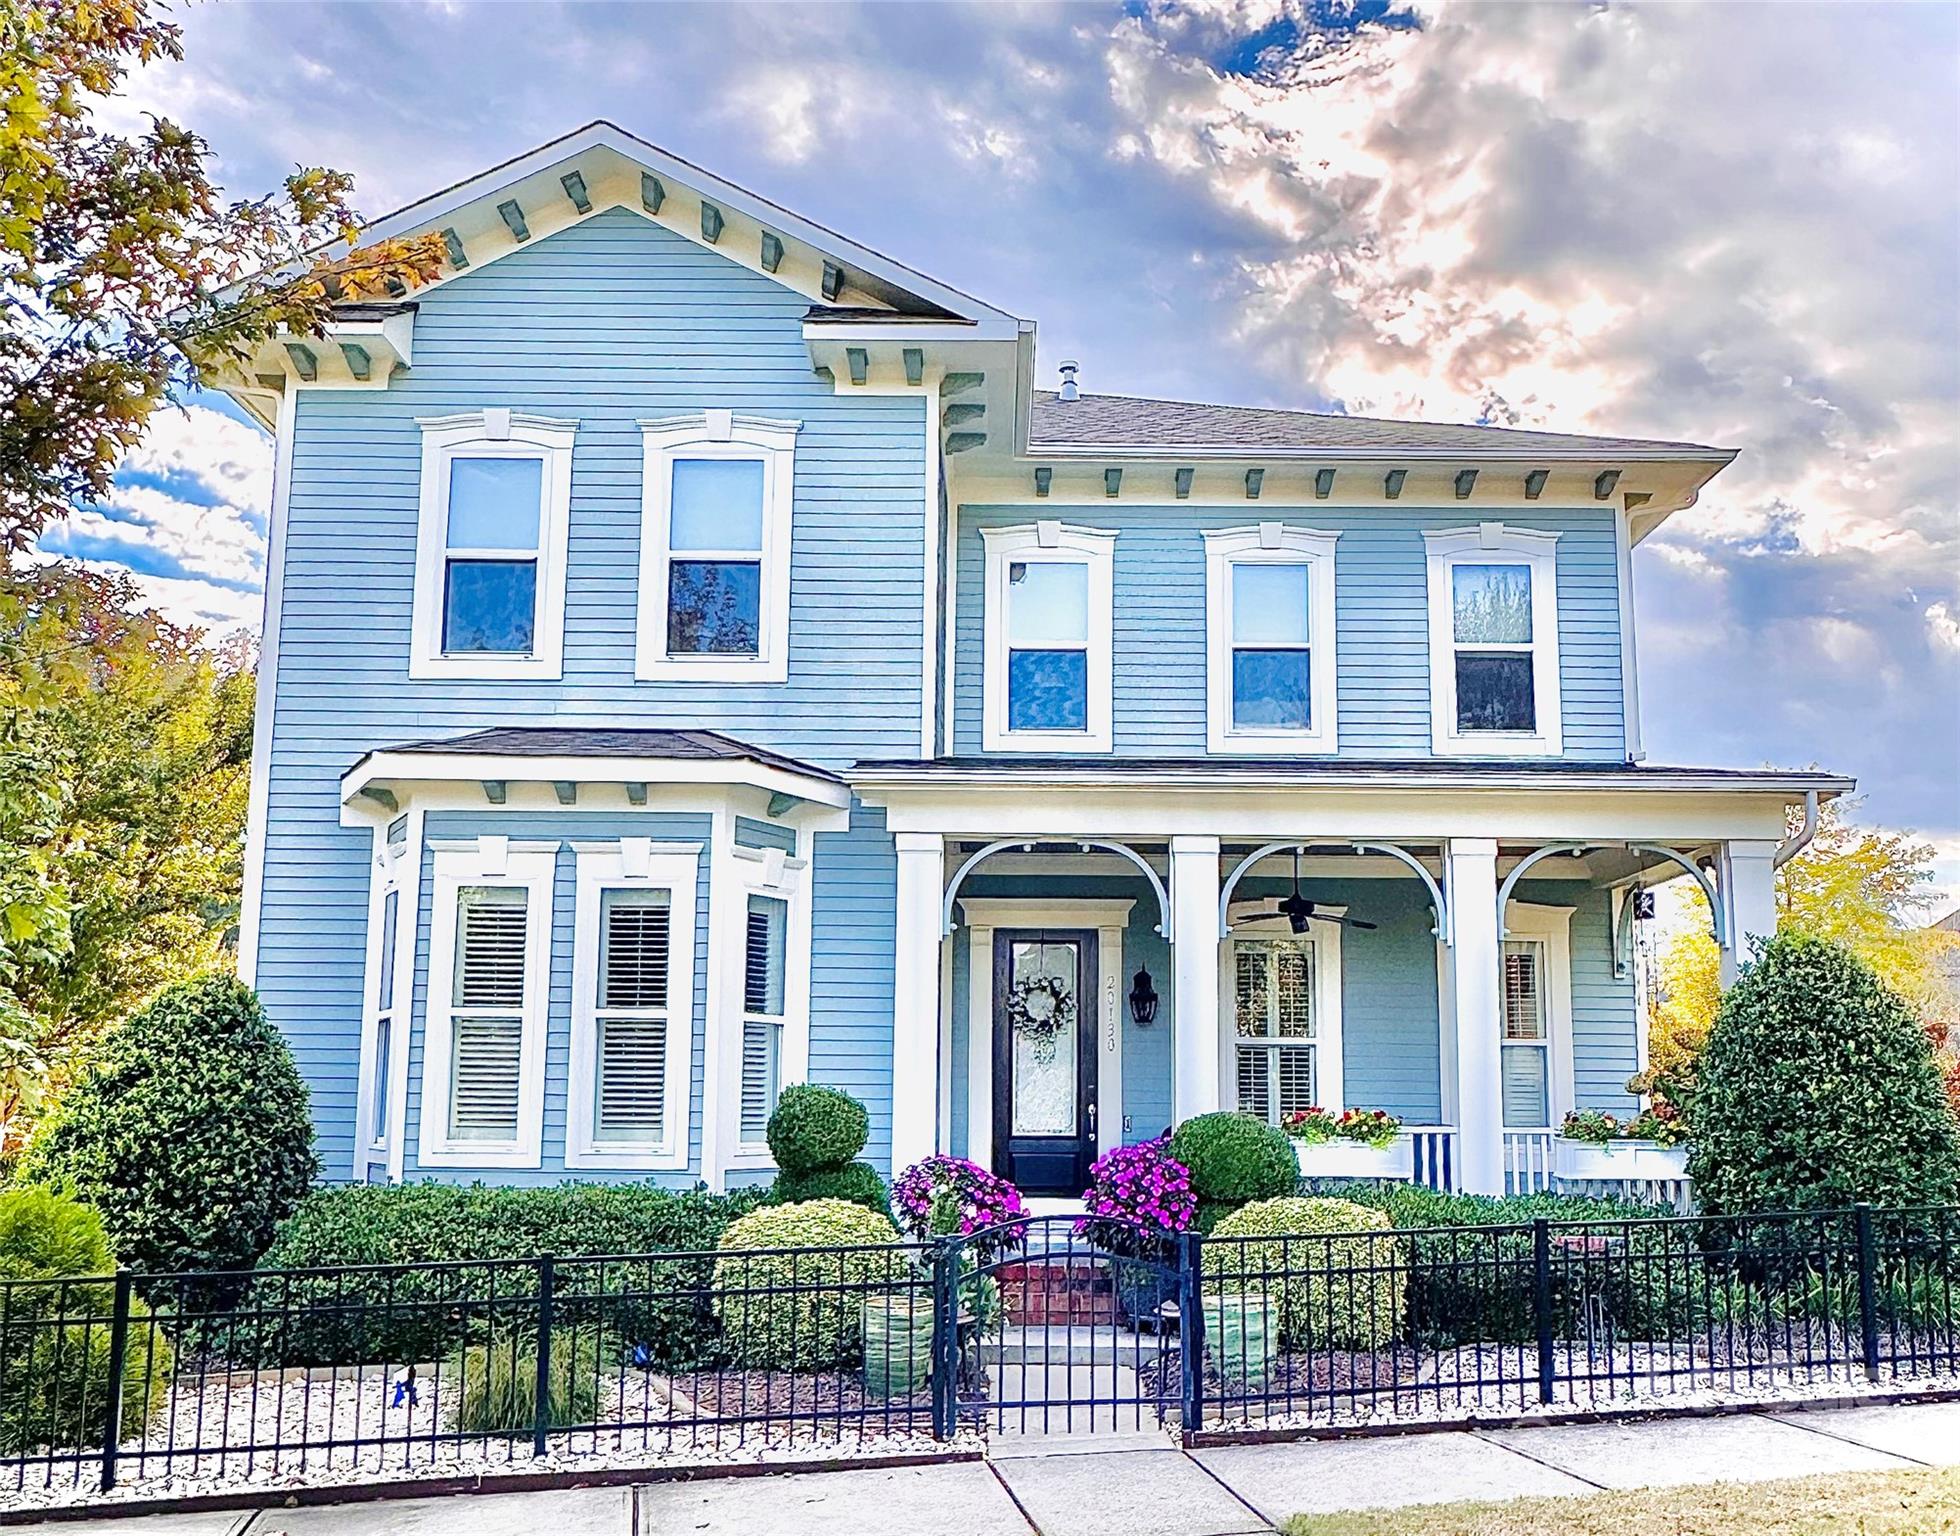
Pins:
<point x="1943" y="626"/>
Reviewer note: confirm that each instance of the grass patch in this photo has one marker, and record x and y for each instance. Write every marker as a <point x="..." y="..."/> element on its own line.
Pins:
<point x="1910" y="1503"/>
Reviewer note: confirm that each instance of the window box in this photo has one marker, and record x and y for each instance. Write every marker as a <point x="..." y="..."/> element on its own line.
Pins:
<point x="1345" y="1159"/>
<point x="1639" y="1161"/>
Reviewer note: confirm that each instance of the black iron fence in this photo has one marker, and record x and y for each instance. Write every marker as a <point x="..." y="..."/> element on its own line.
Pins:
<point x="384" y="1371"/>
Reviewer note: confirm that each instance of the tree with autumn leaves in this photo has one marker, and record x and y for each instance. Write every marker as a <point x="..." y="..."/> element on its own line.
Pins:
<point x="1867" y="890"/>
<point x="125" y="273"/>
<point x="126" y="278"/>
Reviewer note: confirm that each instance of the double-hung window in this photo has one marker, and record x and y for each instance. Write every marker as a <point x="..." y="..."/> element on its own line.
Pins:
<point x="632" y="1004"/>
<point x="489" y="980"/>
<point x="765" y="954"/>
<point x="1493" y="640"/>
<point x="1286" y="1051"/>
<point x="491" y="544"/>
<point x="385" y="1011"/>
<point x="715" y="548"/>
<point x="1047" y="679"/>
<point x="1269" y="613"/>
<point x="1535" y="1046"/>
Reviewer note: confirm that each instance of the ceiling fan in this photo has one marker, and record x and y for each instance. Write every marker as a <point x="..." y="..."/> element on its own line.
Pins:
<point x="1299" y="912"/>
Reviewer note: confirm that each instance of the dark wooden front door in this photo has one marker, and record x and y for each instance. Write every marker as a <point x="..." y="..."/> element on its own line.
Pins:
<point x="1045" y="1080"/>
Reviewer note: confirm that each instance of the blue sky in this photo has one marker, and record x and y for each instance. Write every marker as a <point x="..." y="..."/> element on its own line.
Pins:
<point x="1731" y="223"/>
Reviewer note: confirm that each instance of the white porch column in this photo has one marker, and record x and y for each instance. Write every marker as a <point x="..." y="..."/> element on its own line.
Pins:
<point x="1194" y="954"/>
<point x="1748" y="871"/>
<point x="1476" y="999"/>
<point x="915" y="997"/>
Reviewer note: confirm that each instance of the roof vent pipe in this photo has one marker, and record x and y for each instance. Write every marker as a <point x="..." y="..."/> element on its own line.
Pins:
<point x="1069" y="370"/>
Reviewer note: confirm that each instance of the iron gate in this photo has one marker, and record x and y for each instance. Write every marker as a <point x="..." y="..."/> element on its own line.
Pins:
<point x="1063" y="1326"/>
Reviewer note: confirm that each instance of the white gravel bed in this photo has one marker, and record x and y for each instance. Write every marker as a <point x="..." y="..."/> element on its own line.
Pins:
<point x="322" y="1421"/>
<point x="1444" y="1396"/>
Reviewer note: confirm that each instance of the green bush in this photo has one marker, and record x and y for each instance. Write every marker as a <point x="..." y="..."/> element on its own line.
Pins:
<point x="816" y="1128"/>
<point x="54" y="1337"/>
<point x="1341" y="1291"/>
<point x="189" y="1132"/>
<point x="1818" y="1088"/>
<point x="498" y="1384"/>
<point x="1233" y="1158"/>
<point x="856" y="1182"/>
<point x="802" y="1311"/>
<point x="659" y="1304"/>
<point x="1476" y="1287"/>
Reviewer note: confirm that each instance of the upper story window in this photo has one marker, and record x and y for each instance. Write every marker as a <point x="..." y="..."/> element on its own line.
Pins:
<point x="1046" y="684"/>
<point x="1493" y="641"/>
<point x="1269" y="616"/>
<point x="632" y="1005"/>
<point x="489" y="984"/>
<point x="715" y="548"/>
<point x="490" y="546"/>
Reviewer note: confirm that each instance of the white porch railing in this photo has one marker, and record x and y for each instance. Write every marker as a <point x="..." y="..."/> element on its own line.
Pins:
<point x="1527" y="1162"/>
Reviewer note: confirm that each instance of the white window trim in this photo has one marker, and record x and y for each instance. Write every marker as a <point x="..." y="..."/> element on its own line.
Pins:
<point x="1486" y="544"/>
<point x="393" y="871"/>
<point x="1552" y="927"/>
<point x="716" y="434"/>
<point x="494" y="433"/>
<point x="1270" y="544"/>
<point x="489" y="861"/>
<point x="632" y="864"/>
<point x="765" y="872"/>
<point x="1326" y="941"/>
<point x="1061" y="544"/>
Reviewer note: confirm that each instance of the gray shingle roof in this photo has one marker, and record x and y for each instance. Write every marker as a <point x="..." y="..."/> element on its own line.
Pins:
<point x="582" y="741"/>
<point x="1128" y="421"/>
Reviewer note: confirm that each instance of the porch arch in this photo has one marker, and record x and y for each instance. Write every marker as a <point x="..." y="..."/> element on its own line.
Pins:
<point x="1027" y="844"/>
<point x="1623" y="931"/>
<point x="1438" y="903"/>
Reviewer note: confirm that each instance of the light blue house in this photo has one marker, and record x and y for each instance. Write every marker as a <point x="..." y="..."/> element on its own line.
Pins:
<point x="698" y="659"/>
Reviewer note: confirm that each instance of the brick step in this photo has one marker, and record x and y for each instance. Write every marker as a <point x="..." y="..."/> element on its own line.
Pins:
<point x="1057" y="1294"/>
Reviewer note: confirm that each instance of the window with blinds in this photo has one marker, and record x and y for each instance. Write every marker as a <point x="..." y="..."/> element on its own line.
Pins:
<point x="384" y="1021"/>
<point x="631" y="1021"/>
<point x="764" y="954"/>
<point x="487" y="1012"/>
<point x="1273" y="1016"/>
<point x="1526" y="1059"/>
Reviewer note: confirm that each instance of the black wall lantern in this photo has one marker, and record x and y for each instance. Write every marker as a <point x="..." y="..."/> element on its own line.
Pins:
<point x="1143" y="998"/>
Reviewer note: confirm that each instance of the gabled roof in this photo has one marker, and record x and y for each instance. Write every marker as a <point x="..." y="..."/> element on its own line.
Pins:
<point x="535" y="180"/>
<point x="1133" y="423"/>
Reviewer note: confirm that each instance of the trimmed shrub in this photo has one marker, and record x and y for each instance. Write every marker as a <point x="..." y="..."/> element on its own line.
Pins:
<point x="1818" y="1088"/>
<point x="189" y="1132"/>
<point x="499" y="1384"/>
<point x="815" y="1128"/>
<point x="856" y="1182"/>
<point x="1342" y="1289"/>
<point x="417" y="1312"/>
<point x="54" y="1337"/>
<point x="1233" y="1158"/>
<point x="803" y="1311"/>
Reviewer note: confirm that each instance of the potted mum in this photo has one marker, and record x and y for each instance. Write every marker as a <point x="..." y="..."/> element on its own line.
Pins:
<point x="1594" y="1144"/>
<point x="1355" y="1144"/>
<point x="1138" y="1201"/>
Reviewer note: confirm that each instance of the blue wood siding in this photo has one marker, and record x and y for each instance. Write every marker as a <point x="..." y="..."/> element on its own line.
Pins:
<point x="853" y="946"/>
<point x="750" y="833"/>
<point x="607" y="322"/>
<point x="1381" y="620"/>
<point x="566" y="827"/>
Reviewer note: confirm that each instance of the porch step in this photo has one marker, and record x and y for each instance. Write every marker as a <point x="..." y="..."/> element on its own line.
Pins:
<point x="1057" y="1292"/>
<point x="1095" y="1347"/>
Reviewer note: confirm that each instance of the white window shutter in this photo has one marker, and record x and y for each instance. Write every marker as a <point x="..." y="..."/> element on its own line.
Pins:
<point x="760" y="1041"/>
<point x="487" y="1043"/>
<point x="635" y="956"/>
<point x="485" y="1071"/>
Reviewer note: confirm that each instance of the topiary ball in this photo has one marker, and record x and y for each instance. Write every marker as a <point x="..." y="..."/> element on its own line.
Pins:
<point x="856" y="1182"/>
<point x="1234" y="1158"/>
<point x="816" y="1128"/>
<point x="1337" y="1284"/>
<point x="803" y="1310"/>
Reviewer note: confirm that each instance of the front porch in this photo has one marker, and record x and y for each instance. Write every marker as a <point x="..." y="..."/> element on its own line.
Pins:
<point x="1459" y="956"/>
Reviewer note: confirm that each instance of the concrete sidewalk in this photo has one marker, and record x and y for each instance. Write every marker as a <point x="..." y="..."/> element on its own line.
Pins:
<point x="1155" y="1491"/>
